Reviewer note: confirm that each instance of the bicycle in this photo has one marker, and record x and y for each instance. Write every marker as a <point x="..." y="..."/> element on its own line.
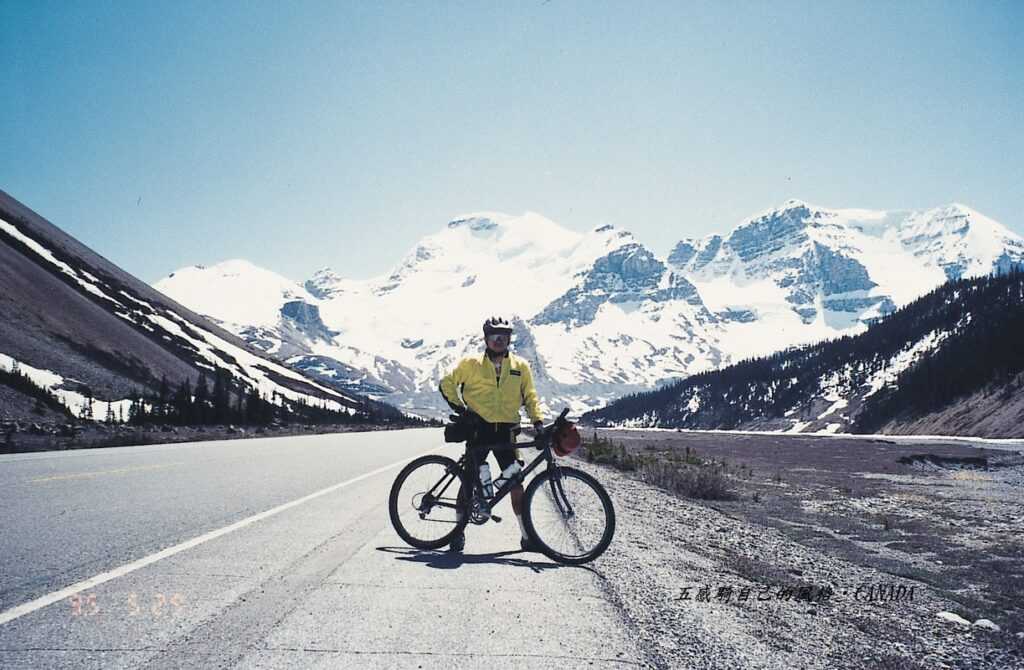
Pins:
<point x="558" y="506"/>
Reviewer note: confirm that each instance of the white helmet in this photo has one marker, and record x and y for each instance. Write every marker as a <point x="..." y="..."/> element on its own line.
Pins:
<point x="497" y="324"/>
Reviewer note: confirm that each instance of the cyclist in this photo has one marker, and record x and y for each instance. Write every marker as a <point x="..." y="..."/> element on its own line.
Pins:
<point x="494" y="386"/>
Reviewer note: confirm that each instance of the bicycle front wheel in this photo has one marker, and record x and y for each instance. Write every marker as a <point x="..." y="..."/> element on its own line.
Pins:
<point x="424" y="501"/>
<point x="569" y="514"/>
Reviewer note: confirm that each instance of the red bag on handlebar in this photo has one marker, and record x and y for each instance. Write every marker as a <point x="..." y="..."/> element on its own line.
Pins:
<point x="566" y="440"/>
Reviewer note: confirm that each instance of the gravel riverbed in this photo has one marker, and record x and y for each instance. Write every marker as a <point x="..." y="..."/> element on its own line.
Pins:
<point x="708" y="584"/>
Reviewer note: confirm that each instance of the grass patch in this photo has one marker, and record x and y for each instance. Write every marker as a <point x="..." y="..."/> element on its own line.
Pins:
<point x="685" y="474"/>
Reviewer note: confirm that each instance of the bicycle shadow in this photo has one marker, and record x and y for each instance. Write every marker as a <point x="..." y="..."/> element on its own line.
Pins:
<point x="445" y="560"/>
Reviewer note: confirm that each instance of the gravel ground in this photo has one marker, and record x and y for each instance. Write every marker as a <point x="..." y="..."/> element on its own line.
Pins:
<point x="667" y="548"/>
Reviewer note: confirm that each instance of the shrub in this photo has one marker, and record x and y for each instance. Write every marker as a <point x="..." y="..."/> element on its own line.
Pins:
<point x="690" y="476"/>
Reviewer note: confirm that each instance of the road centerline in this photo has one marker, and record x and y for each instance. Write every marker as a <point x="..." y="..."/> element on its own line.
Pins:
<point x="98" y="473"/>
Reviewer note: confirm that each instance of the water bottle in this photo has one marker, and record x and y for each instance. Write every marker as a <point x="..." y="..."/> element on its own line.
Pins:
<point x="508" y="473"/>
<point x="485" y="479"/>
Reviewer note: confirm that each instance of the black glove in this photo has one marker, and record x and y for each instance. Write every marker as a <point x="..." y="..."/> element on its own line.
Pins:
<point x="466" y="415"/>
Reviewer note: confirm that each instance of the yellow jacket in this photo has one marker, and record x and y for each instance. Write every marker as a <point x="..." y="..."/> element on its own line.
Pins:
<point x="496" y="400"/>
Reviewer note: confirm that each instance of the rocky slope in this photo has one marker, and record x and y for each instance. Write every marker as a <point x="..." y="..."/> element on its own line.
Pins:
<point x="85" y="330"/>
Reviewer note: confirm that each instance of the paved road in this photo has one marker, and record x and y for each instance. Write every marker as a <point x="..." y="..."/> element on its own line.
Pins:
<point x="270" y="553"/>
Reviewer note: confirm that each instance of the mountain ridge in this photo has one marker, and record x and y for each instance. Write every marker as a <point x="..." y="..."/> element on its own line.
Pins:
<point x="606" y="316"/>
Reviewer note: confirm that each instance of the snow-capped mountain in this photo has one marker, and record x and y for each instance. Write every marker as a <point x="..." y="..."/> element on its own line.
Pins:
<point x="800" y="273"/>
<point x="405" y="329"/>
<point x="83" y="329"/>
<point x="945" y="364"/>
<point x="598" y="314"/>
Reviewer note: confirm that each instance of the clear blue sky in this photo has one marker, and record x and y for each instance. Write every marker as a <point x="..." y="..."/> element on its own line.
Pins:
<point x="165" y="133"/>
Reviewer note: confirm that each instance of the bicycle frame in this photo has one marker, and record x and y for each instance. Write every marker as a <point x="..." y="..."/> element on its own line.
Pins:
<point x="470" y="459"/>
<point x="469" y="463"/>
<point x="545" y="456"/>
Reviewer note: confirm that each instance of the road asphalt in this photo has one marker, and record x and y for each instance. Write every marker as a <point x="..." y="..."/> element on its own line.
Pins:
<point x="272" y="553"/>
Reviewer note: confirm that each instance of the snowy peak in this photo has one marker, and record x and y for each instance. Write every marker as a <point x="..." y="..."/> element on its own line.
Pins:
<point x="504" y="234"/>
<point x="629" y="273"/>
<point x="848" y="265"/>
<point x="480" y="222"/>
<point x="960" y="241"/>
<point x="325" y="284"/>
<point x="527" y="232"/>
<point x="235" y="291"/>
<point x="489" y="253"/>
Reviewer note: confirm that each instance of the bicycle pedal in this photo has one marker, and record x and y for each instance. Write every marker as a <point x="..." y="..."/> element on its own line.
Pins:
<point x="496" y="518"/>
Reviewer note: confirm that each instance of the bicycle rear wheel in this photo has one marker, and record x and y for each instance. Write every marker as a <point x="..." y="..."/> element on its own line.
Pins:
<point x="424" y="500"/>
<point x="569" y="514"/>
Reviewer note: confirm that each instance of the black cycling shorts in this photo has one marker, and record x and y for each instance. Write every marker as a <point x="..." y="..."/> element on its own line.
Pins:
<point x="495" y="433"/>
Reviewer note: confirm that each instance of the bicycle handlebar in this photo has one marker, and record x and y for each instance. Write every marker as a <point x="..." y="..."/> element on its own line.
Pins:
<point x="540" y="441"/>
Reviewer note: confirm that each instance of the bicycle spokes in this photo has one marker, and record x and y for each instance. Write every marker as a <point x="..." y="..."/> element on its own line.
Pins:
<point x="559" y="498"/>
<point x="569" y="516"/>
<point x="428" y="501"/>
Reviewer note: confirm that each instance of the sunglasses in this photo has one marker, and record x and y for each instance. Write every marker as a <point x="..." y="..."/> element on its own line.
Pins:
<point x="494" y="337"/>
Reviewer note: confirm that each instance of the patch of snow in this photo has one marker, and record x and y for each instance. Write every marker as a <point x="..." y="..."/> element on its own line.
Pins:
<point x="74" y="401"/>
<point x="903" y="360"/>
<point x="88" y="282"/>
<point x="839" y="404"/>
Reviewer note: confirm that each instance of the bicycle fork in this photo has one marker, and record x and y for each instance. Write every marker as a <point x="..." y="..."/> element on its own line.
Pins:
<point x="558" y="495"/>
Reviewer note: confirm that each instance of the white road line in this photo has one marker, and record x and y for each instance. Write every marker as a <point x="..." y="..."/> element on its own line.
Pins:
<point x="57" y="596"/>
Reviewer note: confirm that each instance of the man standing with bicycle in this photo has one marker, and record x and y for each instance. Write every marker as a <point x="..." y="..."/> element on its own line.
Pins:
<point x="494" y="386"/>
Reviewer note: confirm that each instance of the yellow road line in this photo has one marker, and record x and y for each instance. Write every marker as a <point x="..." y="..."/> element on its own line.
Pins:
<point x="118" y="471"/>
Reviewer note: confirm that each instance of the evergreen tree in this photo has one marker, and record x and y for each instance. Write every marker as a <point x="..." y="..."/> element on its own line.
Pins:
<point x="183" y="403"/>
<point x="202" y="402"/>
<point x="162" y="399"/>
<point x="86" y="413"/>
<point x="221" y="396"/>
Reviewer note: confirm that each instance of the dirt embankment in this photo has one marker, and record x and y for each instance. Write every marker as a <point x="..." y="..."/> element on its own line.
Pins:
<point x="992" y="413"/>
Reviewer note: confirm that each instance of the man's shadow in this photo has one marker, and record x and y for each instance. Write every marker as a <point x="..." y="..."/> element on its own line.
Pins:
<point x="448" y="560"/>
